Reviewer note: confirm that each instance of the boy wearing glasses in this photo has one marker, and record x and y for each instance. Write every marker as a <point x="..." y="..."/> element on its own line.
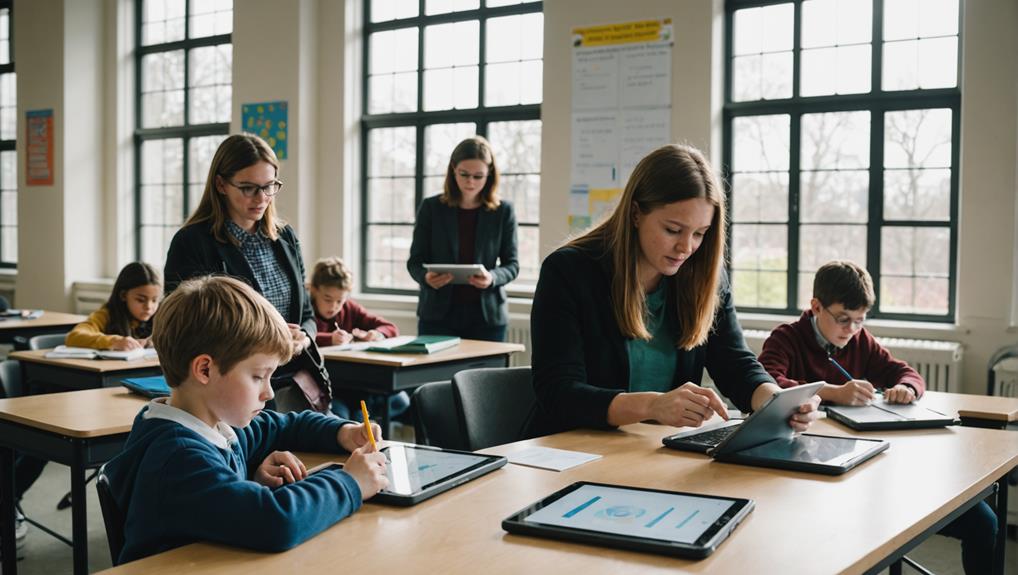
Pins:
<point x="830" y="344"/>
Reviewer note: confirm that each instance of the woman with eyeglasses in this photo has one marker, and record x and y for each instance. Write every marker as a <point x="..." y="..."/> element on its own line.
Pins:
<point x="235" y="231"/>
<point x="627" y="316"/>
<point x="467" y="224"/>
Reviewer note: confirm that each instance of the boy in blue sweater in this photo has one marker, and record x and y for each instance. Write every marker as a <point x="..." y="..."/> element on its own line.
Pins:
<point x="203" y="463"/>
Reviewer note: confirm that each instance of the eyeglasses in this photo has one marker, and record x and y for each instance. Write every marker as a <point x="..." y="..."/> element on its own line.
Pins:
<point x="468" y="176"/>
<point x="845" y="321"/>
<point x="250" y="190"/>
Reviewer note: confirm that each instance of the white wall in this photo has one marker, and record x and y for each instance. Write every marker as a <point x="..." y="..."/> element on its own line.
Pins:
<point x="307" y="53"/>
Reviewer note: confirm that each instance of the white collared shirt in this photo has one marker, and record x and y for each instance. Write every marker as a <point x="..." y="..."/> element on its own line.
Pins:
<point x="222" y="435"/>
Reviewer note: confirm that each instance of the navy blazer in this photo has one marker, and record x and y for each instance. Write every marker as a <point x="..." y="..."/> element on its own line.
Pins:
<point x="436" y="241"/>
<point x="580" y="358"/>
<point x="194" y="252"/>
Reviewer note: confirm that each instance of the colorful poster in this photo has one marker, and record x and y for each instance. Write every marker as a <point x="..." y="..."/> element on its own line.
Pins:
<point x="39" y="148"/>
<point x="268" y="121"/>
<point x="622" y="99"/>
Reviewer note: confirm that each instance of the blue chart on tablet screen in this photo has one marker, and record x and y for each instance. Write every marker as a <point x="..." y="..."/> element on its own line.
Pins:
<point x="666" y="516"/>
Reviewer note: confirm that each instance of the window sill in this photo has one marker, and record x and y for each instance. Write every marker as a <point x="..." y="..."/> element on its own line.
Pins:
<point x="878" y="327"/>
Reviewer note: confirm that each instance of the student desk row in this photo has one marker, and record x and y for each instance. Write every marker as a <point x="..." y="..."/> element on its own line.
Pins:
<point x="803" y="523"/>
<point x="48" y="322"/>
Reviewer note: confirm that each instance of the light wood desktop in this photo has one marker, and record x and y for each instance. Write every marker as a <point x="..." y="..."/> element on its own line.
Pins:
<point x="381" y="373"/>
<point x="803" y="523"/>
<point x="81" y="429"/>
<point x="48" y="322"/>
<point x="69" y="373"/>
<point x="975" y="410"/>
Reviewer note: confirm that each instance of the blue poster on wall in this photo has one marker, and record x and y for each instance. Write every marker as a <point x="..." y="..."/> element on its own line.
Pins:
<point x="267" y="120"/>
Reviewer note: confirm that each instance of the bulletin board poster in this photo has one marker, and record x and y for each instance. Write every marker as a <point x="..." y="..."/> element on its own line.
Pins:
<point x="267" y="120"/>
<point x="621" y="110"/>
<point x="39" y="148"/>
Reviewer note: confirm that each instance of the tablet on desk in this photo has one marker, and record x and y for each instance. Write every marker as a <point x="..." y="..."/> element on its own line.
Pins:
<point x="419" y="472"/>
<point x="881" y="415"/>
<point x="460" y="272"/>
<point x="651" y="520"/>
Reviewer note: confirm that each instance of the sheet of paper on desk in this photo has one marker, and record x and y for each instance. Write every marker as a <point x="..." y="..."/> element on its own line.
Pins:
<point x="362" y="345"/>
<point x="551" y="458"/>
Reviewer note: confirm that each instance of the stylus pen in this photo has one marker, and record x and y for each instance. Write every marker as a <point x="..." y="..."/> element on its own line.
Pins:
<point x="367" y="426"/>
<point x="841" y="369"/>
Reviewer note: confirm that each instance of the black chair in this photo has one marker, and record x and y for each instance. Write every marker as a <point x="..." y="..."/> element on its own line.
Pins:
<point x="494" y="403"/>
<point x="46" y="340"/>
<point x="437" y="420"/>
<point x="113" y="516"/>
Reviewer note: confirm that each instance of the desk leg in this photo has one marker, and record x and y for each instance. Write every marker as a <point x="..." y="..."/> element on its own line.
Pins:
<point x="8" y="546"/>
<point x="1000" y="551"/>
<point x="79" y="528"/>
<point x="386" y="431"/>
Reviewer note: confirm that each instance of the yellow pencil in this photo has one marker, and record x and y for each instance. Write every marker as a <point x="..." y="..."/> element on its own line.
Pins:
<point x="367" y="425"/>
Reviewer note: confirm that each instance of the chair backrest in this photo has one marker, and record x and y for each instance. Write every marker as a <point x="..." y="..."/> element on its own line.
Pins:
<point x="46" y="341"/>
<point x="437" y="420"/>
<point x="11" y="384"/>
<point x="113" y="516"/>
<point x="495" y="404"/>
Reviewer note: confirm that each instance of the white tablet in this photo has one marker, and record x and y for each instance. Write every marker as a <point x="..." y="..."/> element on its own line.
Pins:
<point x="668" y="522"/>
<point x="460" y="272"/>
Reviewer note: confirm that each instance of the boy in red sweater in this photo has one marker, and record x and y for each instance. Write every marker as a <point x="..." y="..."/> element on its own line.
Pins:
<point x="832" y="329"/>
<point x="341" y="320"/>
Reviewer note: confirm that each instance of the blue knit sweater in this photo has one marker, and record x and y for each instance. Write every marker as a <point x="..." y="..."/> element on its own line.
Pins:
<point x="178" y="488"/>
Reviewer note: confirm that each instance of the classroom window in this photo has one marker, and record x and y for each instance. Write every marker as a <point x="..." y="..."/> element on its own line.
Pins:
<point x="184" y="96"/>
<point x="436" y="72"/>
<point x="841" y="142"/>
<point x="8" y="141"/>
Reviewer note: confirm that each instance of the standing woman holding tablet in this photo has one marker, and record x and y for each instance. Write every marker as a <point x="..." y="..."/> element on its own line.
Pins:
<point x="466" y="224"/>
<point x="627" y="316"/>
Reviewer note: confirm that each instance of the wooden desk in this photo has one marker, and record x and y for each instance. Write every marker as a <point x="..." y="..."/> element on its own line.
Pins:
<point x="975" y="410"/>
<point x="379" y="373"/>
<point x="75" y="374"/>
<point x="82" y="429"/>
<point x="803" y="523"/>
<point x="48" y="322"/>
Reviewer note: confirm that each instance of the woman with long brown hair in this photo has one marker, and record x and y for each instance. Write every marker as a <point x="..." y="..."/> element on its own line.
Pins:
<point x="627" y="316"/>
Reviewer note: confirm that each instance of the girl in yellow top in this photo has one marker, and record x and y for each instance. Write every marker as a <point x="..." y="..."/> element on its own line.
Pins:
<point x="125" y="321"/>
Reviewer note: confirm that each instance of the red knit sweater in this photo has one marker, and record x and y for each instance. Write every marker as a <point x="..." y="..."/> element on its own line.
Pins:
<point x="793" y="357"/>
<point x="352" y="315"/>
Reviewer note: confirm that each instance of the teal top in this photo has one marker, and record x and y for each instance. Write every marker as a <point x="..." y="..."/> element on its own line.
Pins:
<point x="652" y="363"/>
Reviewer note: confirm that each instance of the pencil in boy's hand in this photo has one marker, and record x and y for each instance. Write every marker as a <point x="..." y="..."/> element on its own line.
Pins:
<point x="367" y="425"/>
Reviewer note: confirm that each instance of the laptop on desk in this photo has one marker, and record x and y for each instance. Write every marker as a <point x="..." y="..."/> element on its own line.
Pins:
<point x="880" y="415"/>
<point x="765" y="439"/>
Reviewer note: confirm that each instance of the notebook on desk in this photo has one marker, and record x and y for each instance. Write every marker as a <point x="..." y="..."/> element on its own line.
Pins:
<point x="419" y="344"/>
<point x="67" y="352"/>
<point x="881" y="415"/>
<point x="20" y="314"/>
<point x="154" y="386"/>
<point x="765" y="439"/>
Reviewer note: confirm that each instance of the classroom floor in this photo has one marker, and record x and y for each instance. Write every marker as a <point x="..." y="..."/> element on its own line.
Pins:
<point x="45" y="555"/>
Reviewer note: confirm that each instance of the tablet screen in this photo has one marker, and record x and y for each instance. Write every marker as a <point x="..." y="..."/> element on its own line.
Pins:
<point x="825" y="449"/>
<point x="674" y="517"/>
<point x="412" y="469"/>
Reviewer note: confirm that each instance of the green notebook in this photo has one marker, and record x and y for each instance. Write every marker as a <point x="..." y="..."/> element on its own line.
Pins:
<point x="420" y="344"/>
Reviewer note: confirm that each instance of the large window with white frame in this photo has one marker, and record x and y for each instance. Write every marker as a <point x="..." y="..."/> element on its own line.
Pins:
<point x="436" y="72"/>
<point x="841" y="131"/>
<point x="184" y="98"/>
<point x="8" y="141"/>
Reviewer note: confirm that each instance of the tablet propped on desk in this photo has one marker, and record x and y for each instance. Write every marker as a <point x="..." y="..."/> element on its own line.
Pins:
<point x="883" y="415"/>
<point x="419" y="472"/>
<point x="656" y="521"/>
<point x="460" y="272"/>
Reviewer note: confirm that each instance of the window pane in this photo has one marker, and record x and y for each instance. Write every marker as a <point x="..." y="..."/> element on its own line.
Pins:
<point x="5" y="36"/>
<point x="819" y="244"/>
<point x="910" y="19"/>
<point x="211" y="84"/>
<point x="162" y="89"/>
<point x="392" y="84"/>
<point x="439" y="141"/>
<point x="388" y="251"/>
<point x="914" y="269"/>
<point x="9" y="206"/>
<point x="917" y="139"/>
<point x="917" y="194"/>
<point x="453" y="44"/>
<point x="392" y="152"/>
<point x="444" y="6"/>
<point x="839" y="70"/>
<point x="517" y="147"/>
<point x="385" y="10"/>
<point x="762" y="68"/>
<point x="200" y="152"/>
<point x="831" y="196"/>
<point x="8" y="106"/>
<point x="759" y="289"/>
<point x="513" y="52"/>
<point x="760" y="247"/>
<point x="448" y="88"/>
<point x="162" y="182"/>
<point x="921" y="44"/>
<point x="391" y="200"/>
<point x="211" y="18"/>
<point x="761" y="143"/>
<point x="835" y="140"/>
<point x="760" y="197"/>
<point x="162" y="21"/>
<point x="530" y="263"/>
